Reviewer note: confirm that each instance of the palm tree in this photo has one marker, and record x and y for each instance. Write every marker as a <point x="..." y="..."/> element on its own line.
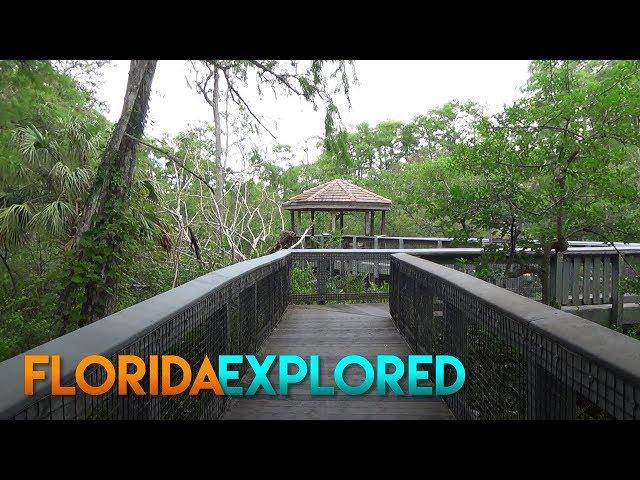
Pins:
<point x="43" y="192"/>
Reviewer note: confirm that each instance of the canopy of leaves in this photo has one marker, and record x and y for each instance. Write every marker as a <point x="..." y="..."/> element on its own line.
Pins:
<point x="562" y="162"/>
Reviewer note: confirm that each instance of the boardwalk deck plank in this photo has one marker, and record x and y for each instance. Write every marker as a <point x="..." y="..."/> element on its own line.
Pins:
<point x="333" y="331"/>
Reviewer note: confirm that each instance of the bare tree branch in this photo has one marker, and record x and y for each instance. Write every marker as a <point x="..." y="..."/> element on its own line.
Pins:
<point x="282" y="78"/>
<point x="173" y="158"/>
<point x="236" y="97"/>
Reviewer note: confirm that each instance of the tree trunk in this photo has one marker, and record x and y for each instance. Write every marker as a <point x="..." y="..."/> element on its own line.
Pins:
<point x="194" y="244"/>
<point x="220" y="173"/>
<point x="5" y="262"/>
<point x="120" y="148"/>
<point x="560" y="177"/>
<point x="545" y="279"/>
<point x="107" y="204"/>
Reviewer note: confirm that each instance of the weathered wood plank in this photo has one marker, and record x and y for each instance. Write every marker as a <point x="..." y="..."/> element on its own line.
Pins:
<point x="617" y="296"/>
<point x="596" y="285"/>
<point x="586" y="280"/>
<point x="575" y="280"/>
<point x="566" y="279"/>
<point x="606" y="280"/>
<point x="333" y="331"/>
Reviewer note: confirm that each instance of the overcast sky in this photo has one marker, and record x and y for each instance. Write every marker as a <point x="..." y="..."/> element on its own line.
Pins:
<point x="386" y="90"/>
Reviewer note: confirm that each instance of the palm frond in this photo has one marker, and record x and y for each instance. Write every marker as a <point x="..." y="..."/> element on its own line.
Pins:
<point x="5" y="198"/>
<point x="32" y="144"/>
<point x="151" y="187"/>
<point x="71" y="182"/>
<point x="54" y="218"/>
<point x="147" y="221"/>
<point x="14" y="222"/>
<point x="21" y="172"/>
<point x="80" y="143"/>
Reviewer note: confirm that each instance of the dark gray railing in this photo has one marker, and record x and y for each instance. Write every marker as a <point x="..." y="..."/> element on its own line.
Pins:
<point x="342" y="275"/>
<point x="589" y="277"/>
<point x="328" y="266"/>
<point x="231" y="310"/>
<point x="523" y="359"/>
<point x="383" y="241"/>
<point x="594" y="270"/>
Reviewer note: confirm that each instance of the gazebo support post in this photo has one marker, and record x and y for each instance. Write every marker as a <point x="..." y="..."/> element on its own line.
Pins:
<point x="382" y="223"/>
<point x="372" y="226"/>
<point x="313" y="227"/>
<point x="293" y="222"/>
<point x="341" y="222"/>
<point x="333" y="222"/>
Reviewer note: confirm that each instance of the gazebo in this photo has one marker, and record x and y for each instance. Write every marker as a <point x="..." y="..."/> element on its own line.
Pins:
<point x="336" y="197"/>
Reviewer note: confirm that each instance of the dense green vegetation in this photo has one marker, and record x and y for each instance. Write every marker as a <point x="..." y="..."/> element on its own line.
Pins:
<point x="563" y="162"/>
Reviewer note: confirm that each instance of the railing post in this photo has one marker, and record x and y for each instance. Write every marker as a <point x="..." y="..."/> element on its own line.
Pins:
<point x="322" y="273"/>
<point x="617" y="294"/>
<point x="376" y="263"/>
<point x="354" y="242"/>
<point x="393" y="281"/>
<point x="556" y="279"/>
<point x="401" y="243"/>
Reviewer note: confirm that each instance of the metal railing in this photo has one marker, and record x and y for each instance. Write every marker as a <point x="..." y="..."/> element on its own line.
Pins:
<point x="382" y="241"/>
<point x="594" y="270"/>
<point x="343" y="275"/>
<point x="523" y="359"/>
<point x="234" y="309"/>
<point x="231" y="310"/>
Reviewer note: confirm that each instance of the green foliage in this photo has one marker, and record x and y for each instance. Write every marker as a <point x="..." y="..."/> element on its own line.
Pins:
<point x="562" y="162"/>
<point x="109" y="242"/>
<point x="50" y="144"/>
<point x="18" y="333"/>
<point x="26" y="315"/>
<point x="303" y="281"/>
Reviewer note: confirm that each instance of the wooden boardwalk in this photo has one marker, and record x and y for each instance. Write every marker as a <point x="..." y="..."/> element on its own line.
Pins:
<point x="333" y="331"/>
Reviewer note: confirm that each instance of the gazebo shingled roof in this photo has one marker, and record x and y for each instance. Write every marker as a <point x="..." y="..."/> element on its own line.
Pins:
<point x="339" y="196"/>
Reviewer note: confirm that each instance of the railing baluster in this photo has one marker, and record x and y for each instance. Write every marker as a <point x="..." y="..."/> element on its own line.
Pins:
<point x="586" y="280"/>
<point x="557" y="282"/>
<point x="617" y="295"/>
<point x="606" y="279"/>
<point x="566" y="279"/>
<point x="596" y="285"/>
<point x="322" y="274"/>
<point x="376" y="262"/>
<point x="575" y="280"/>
